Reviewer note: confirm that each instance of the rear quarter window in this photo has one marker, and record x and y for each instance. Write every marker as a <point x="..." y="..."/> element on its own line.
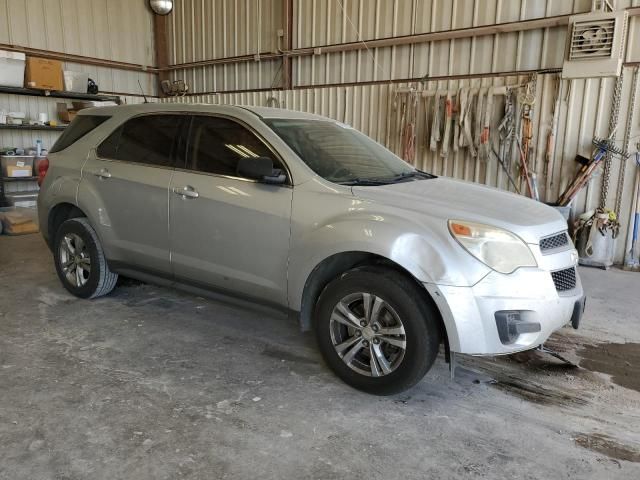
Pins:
<point x="78" y="128"/>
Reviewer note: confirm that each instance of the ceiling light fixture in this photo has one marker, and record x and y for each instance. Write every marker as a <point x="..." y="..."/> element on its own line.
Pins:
<point x="161" y="7"/>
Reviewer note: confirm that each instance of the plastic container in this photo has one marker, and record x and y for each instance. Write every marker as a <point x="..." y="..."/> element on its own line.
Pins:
<point x="76" y="81"/>
<point x="12" y="66"/>
<point x="16" y="161"/>
<point x="601" y="252"/>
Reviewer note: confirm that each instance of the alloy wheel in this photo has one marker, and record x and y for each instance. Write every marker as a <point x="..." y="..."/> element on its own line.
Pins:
<point x="368" y="334"/>
<point x="75" y="260"/>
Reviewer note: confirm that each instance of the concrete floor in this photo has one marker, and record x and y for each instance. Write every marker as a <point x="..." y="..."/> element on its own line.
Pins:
<point x="152" y="383"/>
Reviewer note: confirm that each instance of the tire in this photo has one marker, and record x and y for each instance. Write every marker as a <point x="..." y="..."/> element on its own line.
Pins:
<point x="395" y="298"/>
<point x="80" y="262"/>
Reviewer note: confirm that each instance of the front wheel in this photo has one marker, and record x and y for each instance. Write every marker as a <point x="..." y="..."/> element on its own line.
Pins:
<point x="376" y="330"/>
<point x="80" y="262"/>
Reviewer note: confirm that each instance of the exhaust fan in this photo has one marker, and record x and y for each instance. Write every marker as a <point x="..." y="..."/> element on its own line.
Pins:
<point x="595" y="45"/>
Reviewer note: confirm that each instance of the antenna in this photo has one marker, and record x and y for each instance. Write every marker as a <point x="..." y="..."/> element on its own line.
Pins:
<point x="142" y="91"/>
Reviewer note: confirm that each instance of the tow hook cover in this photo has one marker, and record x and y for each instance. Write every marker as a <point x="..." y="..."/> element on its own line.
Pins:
<point x="578" y="310"/>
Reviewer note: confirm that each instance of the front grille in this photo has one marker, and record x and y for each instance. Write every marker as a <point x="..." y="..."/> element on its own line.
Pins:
<point x="564" y="279"/>
<point x="553" y="242"/>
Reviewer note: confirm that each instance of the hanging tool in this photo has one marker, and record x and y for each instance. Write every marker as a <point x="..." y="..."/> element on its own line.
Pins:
<point x="524" y="170"/>
<point x="409" y="128"/>
<point x="506" y="129"/>
<point x="485" y="133"/>
<point x="466" y="137"/>
<point x="435" y="125"/>
<point x="631" y="262"/>
<point x="403" y="115"/>
<point x="527" y="100"/>
<point x="456" y="121"/>
<point x="506" y="170"/>
<point x="448" y="115"/>
<point x="609" y="152"/>
<point x="549" y="158"/>
<point x="427" y="129"/>
<point x="603" y="147"/>
<point x="480" y="105"/>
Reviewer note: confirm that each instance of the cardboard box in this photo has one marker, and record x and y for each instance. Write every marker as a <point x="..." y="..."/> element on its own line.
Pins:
<point x="14" y="171"/>
<point x="43" y="74"/>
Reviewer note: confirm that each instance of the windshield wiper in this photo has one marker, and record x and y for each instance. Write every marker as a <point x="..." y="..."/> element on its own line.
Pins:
<point x="406" y="176"/>
<point x="364" y="181"/>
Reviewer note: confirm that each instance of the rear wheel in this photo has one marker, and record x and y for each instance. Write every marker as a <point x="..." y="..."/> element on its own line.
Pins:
<point x="80" y="262"/>
<point x="376" y="330"/>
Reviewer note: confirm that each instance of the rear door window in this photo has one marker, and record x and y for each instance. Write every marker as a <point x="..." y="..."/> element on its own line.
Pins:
<point x="78" y="128"/>
<point x="148" y="139"/>
<point x="216" y="144"/>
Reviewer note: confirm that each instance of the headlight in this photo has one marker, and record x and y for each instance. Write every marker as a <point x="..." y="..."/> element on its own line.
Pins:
<point x="497" y="248"/>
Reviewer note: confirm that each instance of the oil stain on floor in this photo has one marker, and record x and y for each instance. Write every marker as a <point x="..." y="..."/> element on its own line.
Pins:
<point x="608" y="446"/>
<point x="619" y="360"/>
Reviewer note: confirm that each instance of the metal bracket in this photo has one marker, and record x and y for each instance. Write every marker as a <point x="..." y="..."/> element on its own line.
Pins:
<point x="553" y="353"/>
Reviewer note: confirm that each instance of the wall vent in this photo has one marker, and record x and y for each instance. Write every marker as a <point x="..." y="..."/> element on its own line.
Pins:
<point x="595" y="45"/>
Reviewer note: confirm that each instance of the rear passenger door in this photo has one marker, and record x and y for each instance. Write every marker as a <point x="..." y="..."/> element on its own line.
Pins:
<point x="227" y="231"/>
<point x="125" y="183"/>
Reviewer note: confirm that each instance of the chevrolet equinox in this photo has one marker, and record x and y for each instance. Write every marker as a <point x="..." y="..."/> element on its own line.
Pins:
<point x="383" y="261"/>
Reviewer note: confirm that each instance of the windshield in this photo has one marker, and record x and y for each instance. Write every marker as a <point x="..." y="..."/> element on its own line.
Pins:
<point x="341" y="154"/>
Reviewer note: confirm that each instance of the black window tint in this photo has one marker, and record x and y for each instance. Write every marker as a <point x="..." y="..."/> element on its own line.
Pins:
<point x="216" y="145"/>
<point x="148" y="139"/>
<point x="78" y="128"/>
<point x="109" y="147"/>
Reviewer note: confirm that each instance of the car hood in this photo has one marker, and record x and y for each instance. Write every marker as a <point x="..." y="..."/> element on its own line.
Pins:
<point x="446" y="198"/>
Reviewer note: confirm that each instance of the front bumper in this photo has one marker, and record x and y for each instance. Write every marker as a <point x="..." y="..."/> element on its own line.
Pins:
<point x="469" y="313"/>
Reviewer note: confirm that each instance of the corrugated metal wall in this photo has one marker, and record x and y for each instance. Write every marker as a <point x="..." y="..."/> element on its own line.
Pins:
<point x="203" y="29"/>
<point x="200" y="30"/>
<point x="584" y="105"/>
<point x="95" y="28"/>
<point x="353" y="20"/>
<point x="119" y="30"/>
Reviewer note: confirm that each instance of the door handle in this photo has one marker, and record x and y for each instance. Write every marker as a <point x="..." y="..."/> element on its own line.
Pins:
<point x="103" y="173"/>
<point x="186" y="192"/>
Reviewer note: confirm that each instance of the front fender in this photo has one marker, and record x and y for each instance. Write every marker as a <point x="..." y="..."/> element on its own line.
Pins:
<point x="429" y="254"/>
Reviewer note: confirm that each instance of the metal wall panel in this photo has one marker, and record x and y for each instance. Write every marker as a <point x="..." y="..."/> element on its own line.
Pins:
<point x="111" y="29"/>
<point x="119" y="30"/>
<point x="353" y="20"/>
<point x="201" y="29"/>
<point x="205" y="29"/>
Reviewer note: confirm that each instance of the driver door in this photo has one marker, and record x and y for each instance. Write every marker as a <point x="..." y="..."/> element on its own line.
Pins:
<point x="226" y="231"/>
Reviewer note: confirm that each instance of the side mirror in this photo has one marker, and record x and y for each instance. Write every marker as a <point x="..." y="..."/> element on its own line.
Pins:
<point x="260" y="168"/>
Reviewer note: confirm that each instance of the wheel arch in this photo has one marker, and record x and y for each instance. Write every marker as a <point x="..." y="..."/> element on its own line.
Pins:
<point x="58" y="214"/>
<point x="335" y="265"/>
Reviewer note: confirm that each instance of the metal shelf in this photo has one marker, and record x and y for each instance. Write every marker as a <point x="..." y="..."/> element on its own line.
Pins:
<point x="32" y="127"/>
<point x="55" y="94"/>
<point x="19" y="179"/>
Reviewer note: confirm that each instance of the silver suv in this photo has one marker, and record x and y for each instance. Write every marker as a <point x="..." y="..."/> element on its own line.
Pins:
<point x="384" y="261"/>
